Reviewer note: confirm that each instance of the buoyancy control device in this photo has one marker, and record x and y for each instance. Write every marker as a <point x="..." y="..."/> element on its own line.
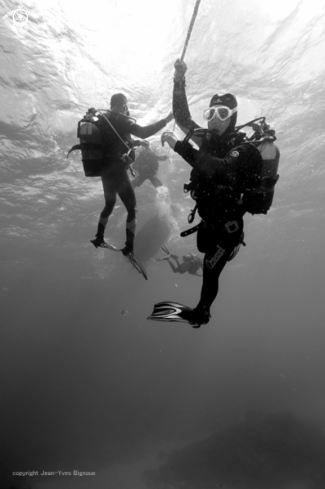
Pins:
<point x="256" y="199"/>
<point x="92" y="144"/>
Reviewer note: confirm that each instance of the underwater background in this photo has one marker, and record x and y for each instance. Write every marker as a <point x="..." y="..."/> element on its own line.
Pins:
<point x="87" y="383"/>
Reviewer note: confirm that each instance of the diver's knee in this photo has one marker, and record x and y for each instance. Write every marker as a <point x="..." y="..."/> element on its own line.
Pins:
<point x="132" y="214"/>
<point x="108" y="209"/>
<point x="105" y="213"/>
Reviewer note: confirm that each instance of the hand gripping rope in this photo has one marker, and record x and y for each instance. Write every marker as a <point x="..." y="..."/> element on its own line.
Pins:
<point x="187" y="40"/>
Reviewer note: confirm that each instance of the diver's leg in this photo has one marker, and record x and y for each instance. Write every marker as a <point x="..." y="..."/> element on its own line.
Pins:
<point x="138" y="181"/>
<point x="176" y="269"/>
<point x="127" y="196"/>
<point x="214" y="263"/>
<point x="221" y="244"/>
<point x="155" y="181"/>
<point x="110" y="200"/>
<point x="135" y="182"/>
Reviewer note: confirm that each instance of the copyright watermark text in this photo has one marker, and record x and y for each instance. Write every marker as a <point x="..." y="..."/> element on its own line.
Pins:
<point x="40" y="473"/>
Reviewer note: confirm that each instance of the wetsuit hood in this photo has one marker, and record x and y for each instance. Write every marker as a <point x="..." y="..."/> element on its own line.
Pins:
<point x="118" y="98"/>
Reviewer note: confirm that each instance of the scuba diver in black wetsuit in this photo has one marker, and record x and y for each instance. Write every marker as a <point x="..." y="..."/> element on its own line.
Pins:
<point x="191" y="263"/>
<point x="146" y="164"/>
<point x="116" y="129"/>
<point x="228" y="179"/>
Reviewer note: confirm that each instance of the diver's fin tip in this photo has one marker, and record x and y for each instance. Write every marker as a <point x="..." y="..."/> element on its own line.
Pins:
<point x="170" y="311"/>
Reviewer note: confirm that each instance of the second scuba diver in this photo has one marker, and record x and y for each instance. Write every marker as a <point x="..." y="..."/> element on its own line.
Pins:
<point x="116" y="129"/>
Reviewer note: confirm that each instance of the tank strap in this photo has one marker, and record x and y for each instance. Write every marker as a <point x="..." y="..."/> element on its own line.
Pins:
<point x="190" y="231"/>
<point x="84" y="146"/>
<point x="116" y="132"/>
<point x="74" y="148"/>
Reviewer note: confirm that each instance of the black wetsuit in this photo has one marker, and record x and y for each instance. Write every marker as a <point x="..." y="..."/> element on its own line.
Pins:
<point x="114" y="175"/>
<point x="222" y="168"/>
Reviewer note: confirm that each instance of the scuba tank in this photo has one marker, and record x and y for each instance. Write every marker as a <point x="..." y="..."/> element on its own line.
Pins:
<point x="92" y="144"/>
<point x="92" y="153"/>
<point x="258" y="200"/>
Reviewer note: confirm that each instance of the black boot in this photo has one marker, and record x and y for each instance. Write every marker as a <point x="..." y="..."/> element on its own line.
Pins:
<point x="128" y="248"/>
<point x="200" y="315"/>
<point x="99" y="236"/>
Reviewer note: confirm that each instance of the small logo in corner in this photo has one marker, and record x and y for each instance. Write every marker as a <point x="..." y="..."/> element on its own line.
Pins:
<point x="19" y="16"/>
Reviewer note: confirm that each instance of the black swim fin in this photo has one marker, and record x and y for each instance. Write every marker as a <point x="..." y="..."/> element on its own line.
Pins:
<point x="137" y="265"/>
<point x="132" y="259"/>
<point x="165" y="250"/>
<point x="102" y="243"/>
<point x="175" y="312"/>
<point x="171" y="312"/>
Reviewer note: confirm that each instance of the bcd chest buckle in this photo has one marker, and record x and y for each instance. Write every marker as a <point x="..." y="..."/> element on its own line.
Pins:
<point x="231" y="226"/>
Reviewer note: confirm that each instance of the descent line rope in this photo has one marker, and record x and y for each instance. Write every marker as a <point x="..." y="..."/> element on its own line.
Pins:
<point x="187" y="40"/>
<point x="189" y="32"/>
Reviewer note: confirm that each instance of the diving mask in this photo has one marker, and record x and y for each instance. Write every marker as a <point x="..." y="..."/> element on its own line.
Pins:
<point x="222" y="112"/>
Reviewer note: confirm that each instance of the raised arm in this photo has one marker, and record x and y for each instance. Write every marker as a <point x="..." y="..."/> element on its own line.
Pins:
<point x="180" y="105"/>
<point x="147" y="131"/>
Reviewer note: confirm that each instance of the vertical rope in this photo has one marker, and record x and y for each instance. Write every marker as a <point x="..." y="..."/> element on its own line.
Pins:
<point x="187" y="40"/>
<point x="189" y="32"/>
